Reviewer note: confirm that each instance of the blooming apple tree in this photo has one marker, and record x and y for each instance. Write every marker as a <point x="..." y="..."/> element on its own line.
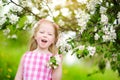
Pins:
<point x="88" y="28"/>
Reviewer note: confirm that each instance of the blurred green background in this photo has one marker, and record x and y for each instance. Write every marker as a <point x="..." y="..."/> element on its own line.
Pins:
<point x="11" y="51"/>
<point x="72" y="15"/>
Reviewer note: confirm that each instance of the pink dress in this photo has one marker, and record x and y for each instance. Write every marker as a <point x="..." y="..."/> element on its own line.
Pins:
<point x="34" y="66"/>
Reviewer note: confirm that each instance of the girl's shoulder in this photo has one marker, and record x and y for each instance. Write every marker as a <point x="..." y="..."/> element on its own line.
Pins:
<point x="27" y="53"/>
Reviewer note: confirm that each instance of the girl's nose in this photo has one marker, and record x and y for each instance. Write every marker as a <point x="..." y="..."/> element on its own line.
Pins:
<point x="45" y="35"/>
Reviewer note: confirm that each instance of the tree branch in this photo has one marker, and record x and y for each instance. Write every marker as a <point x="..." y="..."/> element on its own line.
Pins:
<point x="25" y="9"/>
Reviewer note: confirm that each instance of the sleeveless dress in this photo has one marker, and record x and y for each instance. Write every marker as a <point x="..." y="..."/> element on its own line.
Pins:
<point x="34" y="66"/>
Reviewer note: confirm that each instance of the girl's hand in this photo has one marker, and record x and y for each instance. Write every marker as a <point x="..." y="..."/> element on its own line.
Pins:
<point x="57" y="73"/>
<point x="54" y="61"/>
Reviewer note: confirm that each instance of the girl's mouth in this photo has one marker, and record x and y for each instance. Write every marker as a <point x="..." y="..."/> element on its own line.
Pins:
<point x="44" y="41"/>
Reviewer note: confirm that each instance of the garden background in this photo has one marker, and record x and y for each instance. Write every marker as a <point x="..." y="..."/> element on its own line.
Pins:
<point x="89" y="39"/>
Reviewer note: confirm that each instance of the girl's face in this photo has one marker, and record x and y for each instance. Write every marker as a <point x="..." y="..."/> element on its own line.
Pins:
<point x="45" y="36"/>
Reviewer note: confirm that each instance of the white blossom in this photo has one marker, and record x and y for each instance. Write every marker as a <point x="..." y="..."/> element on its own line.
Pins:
<point x="25" y="3"/>
<point x="14" y="36"/>
<point x="107" y="4"/>
<point x="30" y="19"/>
<point x="118" y="16"/>
<point x="82" y="1"/>
<point x="13" y="18"/>
<point x="105" y="28"/>
<point x="62" y="42"/>
<point x="6" y="31"/>
<point x="17" y="26"/>
<point x="58" y="2"/>
<point x="48" y="65"/>
<point x="112" y="33"/>
<point x="115" y="21"/>
<point x="1" y="4"/>
<point x="96" y="36"/>
<point x="81" y="47"/>
<point x="54" y="66"/>
<point x="58" y="59"/>
<point x="82" y="18"/>
<point x="91" y="5"/>
<point x="109" y="33"/>
<point x="82" y="29"/>
<point x="95" y="29"/>
<point x="103" y="10"/>
<point x="65" y="12"/>
<point x="91" y="50"/>
<point x="45" y="6"/>
<point x="111" y="4"/>
<point x="15" y="8"/>
<point x="2" y="20"/>
<point x="25" y="27"/>
<point x="49" y="18"/>
<point x="104" y="19"/>
<point x="105" y="38"/>
<point x="61" y="22"/>
<point x="56" y="13"/>
<point x="35" y="10"/>
<point x="62" y="39"/>
<point x="71" y="34"/>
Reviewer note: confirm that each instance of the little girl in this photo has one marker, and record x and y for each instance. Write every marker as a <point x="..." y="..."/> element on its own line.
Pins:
<point x="33" y="63"/>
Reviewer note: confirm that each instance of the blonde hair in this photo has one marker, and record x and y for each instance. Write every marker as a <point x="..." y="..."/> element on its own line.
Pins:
<point x="33" y="44"/>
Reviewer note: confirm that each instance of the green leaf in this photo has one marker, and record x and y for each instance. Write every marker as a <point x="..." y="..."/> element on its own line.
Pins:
<point x="118" y="57"/>
<point x="85" y="52"/>
<point x="102" y="65"/>
<point x="79" y="52"/>
<point x="21" y="22"/>
<point x="113" y="65"/>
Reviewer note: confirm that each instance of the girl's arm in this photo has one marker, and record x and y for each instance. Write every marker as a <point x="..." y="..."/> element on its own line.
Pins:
<point x="57" y="73"/>
<point x="20" y="71"/>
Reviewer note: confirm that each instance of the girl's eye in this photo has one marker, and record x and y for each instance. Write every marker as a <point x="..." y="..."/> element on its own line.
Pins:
<point x="50" y="34"/>
<point x="41" y="32"/>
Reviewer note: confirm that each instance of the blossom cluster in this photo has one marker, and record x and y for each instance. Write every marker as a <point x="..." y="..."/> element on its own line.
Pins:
<point x="10" y="15"/>
<point x="91" y="5"/>
<point x="54" y="62"/>
<point x="62" y="43"/>
<point x="90" y="50"/>
<point x="118" y="16"/>
<point x="109" y="33"/>
<point x="82" y="18"/>
<point x="66" y="47"/>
